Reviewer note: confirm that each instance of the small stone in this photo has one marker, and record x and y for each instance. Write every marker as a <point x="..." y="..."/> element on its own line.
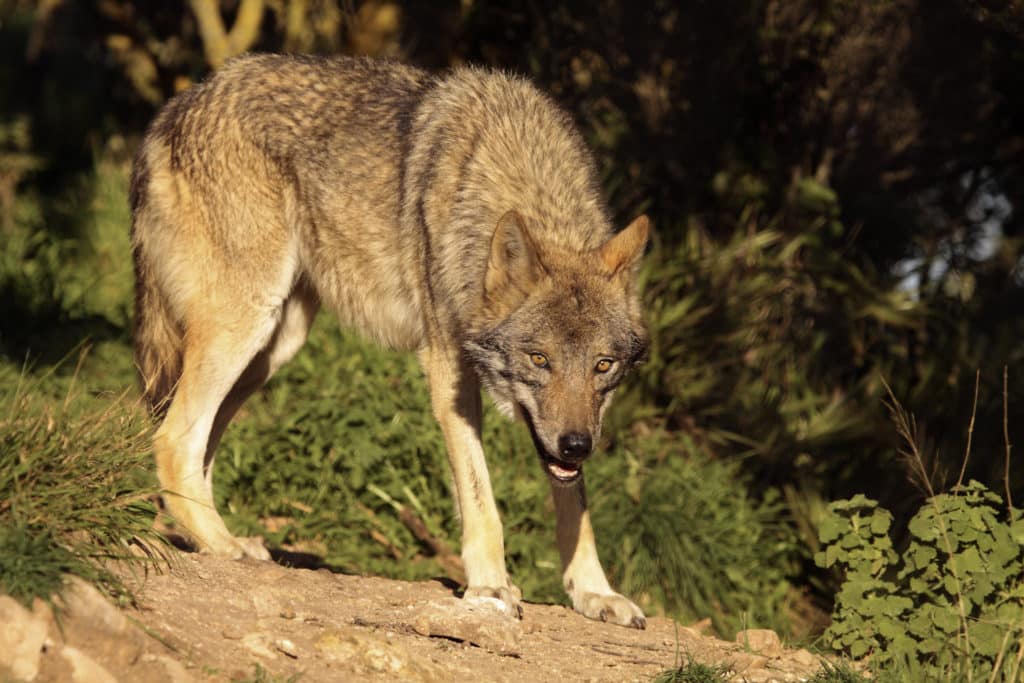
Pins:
<point x="286" y="647"/>
<point x="479" y="623"/>
<point x="745" y="661"/>
<point x="175" y="671"/>
<point x="366" y="653"/>
<point x="383" y="660"/>
<point x="334" y="646"/>
<point x="806" y="660"/>
<point x="232" y="632"/>
<point x="22" y="634"/>
<point x="81" y="599"/>
<point x="259" y="645"/>
<point x="287" y="613"/>
<point x="763" y="641"/>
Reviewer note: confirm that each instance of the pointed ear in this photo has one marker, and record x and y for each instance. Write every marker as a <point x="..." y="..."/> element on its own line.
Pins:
<point x="624" y="249"/>
<point x="515" y="256"/>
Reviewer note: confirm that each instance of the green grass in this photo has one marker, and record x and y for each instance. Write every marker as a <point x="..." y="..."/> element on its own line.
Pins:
<point x="837" y="673"/>
<point x="694" y="672"/>
<point x="74" y="479"/>
<point x="261" y="675"/>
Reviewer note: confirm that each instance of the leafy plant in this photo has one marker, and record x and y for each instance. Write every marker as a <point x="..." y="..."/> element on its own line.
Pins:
<point x="952" y="601"/>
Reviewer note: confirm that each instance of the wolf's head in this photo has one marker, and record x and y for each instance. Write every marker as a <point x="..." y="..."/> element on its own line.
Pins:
<point x="563" y="329"/>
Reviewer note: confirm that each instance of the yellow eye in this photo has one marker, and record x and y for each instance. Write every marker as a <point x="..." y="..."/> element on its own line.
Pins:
<point x="603" y="365"/>
<point x="539" y="359"/>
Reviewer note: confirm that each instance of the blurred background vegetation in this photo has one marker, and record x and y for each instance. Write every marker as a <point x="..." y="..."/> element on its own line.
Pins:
<point x="836" y="187"/>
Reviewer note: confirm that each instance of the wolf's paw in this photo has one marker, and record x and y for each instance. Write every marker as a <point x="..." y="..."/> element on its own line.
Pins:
<point x="253" y="547"/>
<point x="505" y="599"/>
<point x="609" y="607"/>
<point x="239" y="547"/>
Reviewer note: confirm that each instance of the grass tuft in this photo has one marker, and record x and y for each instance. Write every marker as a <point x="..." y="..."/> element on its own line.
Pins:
<point x="74" y="483"/>
<point x="837" y="673"/>
<point x="695" y="672"/>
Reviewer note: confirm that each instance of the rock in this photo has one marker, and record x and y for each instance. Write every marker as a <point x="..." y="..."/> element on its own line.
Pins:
<point x="763" y="641"/>
<point x="742" y="662"/>
<point x="805" y="660"/>
<point x="364" y="653"/>
<point x="95" y="625"/>
<point x="84" y="669"/>
<point x="22" y="634"/>
<point x="478" y="623"/>
<point x="232" y="632"/>
<point x="259" y="644"/>
<point x="175" y="672"/>
<point x="286" y="647"/>
<point x="81" y="599"/>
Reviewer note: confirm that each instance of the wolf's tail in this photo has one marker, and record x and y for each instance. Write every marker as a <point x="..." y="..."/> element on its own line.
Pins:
<point x="158" y="339"/>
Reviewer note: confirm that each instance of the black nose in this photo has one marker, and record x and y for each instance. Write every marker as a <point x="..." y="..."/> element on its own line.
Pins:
<point x="574" y="446"/>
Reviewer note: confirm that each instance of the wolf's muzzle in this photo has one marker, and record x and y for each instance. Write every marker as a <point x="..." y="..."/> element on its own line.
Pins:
<point x="574" y="447"/>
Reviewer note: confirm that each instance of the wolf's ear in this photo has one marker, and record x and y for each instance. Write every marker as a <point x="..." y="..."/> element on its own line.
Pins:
<point x="515" y="256"/>
<point x="620" y="253"/>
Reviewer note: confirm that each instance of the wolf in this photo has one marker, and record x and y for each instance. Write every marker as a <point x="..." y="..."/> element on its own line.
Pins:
<point x="455" y="214"/>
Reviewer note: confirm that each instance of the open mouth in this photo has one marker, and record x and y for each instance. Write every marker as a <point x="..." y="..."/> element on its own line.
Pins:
<point x="559" y="470"/>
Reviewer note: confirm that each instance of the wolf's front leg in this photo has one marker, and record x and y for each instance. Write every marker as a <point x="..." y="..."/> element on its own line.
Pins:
<point x="583" y="576"/>
<point x="455" y="395"/>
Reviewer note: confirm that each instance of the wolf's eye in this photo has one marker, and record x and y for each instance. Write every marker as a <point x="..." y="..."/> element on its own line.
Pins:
<point x="603" y="365"/>
<point x="539" y="359"/>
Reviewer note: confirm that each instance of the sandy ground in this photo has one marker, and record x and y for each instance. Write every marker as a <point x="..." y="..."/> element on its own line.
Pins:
<point x="212" y="619"/>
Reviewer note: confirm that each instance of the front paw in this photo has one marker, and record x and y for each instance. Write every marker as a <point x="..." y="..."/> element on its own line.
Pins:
<point x="505" y="599"/>
<point x="609" y="607"/>
<point x="236" y="547"/>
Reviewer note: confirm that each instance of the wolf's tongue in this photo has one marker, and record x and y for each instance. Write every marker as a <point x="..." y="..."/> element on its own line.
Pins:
<point x="561" y="472"/>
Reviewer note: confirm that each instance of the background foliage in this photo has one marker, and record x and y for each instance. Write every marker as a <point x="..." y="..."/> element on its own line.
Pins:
<point x="836" y="187"/>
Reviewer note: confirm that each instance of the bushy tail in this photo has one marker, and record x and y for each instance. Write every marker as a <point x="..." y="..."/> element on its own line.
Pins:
<point x="158" y="340"/>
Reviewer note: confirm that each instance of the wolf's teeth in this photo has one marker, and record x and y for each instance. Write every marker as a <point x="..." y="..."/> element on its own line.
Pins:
<point x="561" y="472"/>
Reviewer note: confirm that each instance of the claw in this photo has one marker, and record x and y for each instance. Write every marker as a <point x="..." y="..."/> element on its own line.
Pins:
<point x="504" y="599"/>
<point x="609" y="607"/>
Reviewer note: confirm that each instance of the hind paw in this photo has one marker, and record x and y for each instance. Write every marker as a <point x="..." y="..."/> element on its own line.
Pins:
<point x="610" y="607"/>
<point x="239" y="547"/>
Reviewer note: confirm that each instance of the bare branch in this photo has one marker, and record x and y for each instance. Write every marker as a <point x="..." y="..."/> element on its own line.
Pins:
<point x="1006" y="441"/>
<point x="220" y="44"/>
<point x="970" y="432"/>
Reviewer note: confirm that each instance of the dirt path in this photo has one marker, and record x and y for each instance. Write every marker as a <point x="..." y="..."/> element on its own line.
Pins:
<point x="209" y="619"/>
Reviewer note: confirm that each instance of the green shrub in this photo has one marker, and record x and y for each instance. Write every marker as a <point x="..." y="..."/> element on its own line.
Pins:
<point x="686" y="533"/>
<point x="951" y="602"/>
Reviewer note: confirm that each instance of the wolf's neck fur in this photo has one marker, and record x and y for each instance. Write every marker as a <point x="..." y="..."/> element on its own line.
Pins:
<point x="490" y="142"/>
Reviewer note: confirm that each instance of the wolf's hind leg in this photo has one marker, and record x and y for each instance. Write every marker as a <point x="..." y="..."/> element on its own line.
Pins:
<point x="583" y="577"/>
<point x="455" y="395"/>
<point x="217" y="353"/>
<point x="297" y="315"/>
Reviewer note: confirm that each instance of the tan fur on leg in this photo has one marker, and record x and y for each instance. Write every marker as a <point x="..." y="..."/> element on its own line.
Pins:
<point x="583" y="577"/>
<point x="455" y="394"/>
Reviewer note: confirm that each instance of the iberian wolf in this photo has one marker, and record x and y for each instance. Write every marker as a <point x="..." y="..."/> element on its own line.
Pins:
<point x="456" y="215"/>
